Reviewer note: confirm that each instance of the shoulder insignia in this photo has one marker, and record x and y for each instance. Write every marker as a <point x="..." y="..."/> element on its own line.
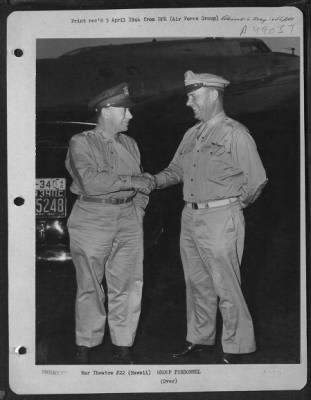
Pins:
<point x="83" y="134"/>
<point x="88" y="133"/>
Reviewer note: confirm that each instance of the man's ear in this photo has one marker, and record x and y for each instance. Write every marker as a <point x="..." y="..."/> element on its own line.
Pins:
<point x="105" y="113"/>
<point x="214" y="94"/>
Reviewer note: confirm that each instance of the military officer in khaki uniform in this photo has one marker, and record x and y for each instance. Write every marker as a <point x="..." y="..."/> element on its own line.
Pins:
<point x="105" y="227"/>
<point x="221" y="171"/>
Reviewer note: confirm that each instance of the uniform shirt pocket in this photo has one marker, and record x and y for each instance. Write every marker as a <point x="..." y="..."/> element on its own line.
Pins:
<point x="186" y="149"/>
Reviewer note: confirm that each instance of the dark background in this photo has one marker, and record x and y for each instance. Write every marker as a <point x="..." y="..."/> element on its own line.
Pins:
<point x="281" y="219"/>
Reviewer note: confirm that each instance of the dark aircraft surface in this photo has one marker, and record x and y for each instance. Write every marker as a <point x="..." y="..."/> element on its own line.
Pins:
<point x="260" y="79"/>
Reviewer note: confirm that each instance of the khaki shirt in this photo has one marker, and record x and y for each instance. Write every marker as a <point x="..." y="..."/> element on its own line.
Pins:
<point x="97" y="166"/>
<point x="216" y="160"/>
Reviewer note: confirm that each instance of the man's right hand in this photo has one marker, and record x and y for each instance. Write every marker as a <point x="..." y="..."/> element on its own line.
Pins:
<point x="143" y="183"/>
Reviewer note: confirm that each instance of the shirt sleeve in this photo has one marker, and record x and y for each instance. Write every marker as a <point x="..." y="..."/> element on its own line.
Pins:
<point x="86" y="175"/>
<point x="173" y="174"/>
<point x="246" y="155"/>
<point x="141" y="199"/>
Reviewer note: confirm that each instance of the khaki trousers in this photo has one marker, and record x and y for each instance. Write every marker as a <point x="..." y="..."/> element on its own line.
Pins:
<point x="106" y="240"/>
<point x="211" y="244"/>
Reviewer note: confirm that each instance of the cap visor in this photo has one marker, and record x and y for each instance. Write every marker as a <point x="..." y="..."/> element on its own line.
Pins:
<point x="192" y="87"/>
<point x="126" y="103"/>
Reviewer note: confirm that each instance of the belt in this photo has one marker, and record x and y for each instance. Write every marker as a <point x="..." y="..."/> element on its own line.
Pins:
<point x="211" y="204"/>
<point x="111" y="200"/>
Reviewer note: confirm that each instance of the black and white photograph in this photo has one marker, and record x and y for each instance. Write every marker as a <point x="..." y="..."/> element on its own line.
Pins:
<point x="161" y="188"/>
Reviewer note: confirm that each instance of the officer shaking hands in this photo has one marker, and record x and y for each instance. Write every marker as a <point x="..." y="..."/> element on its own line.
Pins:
<point x="105" y="227"/>
<point x="218" y="163"/>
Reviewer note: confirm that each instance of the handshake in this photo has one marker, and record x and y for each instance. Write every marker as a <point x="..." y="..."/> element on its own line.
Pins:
<point x="144" y="183"/>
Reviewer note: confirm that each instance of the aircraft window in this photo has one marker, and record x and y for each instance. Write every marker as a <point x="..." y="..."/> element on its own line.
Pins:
<point x="263" y="47"/>
<point x="251" y="47"/>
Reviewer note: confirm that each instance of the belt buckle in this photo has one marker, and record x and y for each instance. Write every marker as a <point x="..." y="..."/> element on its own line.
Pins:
<point x="121" y="200"/>
<point x="194" y="206"/>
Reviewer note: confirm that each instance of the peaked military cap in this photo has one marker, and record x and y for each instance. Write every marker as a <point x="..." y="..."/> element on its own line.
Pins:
<point x="117" y="96"/>
<point x="196" y="81"/>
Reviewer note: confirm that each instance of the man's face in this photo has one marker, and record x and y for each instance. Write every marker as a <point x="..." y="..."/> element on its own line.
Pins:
<point x="120" y="117"/>
<point x="201" y="102"/>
